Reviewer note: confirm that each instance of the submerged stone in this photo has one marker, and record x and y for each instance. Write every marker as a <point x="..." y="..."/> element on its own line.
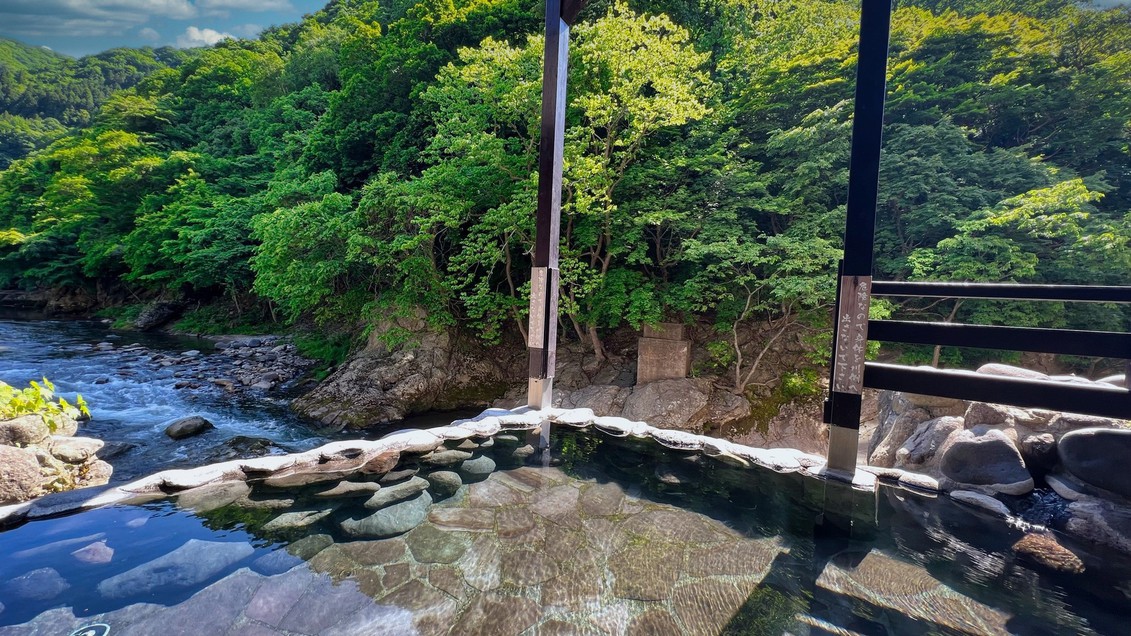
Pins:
<point x="429" y="544"/>
<point x="1047" y="552"/>
<point x="194" y="562"/>
<point x="397" y="492"/>
<point x="187" y="427"/>
<point x="391" y="521"/>
<point x="443" y="483"/>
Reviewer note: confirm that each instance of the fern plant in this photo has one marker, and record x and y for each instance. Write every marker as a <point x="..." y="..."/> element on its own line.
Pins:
<point x="39" y="399"/>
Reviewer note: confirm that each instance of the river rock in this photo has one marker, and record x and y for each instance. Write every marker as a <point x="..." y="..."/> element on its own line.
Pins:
<point x="75" y="450"/>
<point x="394" y="520"/>
<point x="390" y="494"/>
<point x="898" y="419"/>
<point x="1098" y="457"/>
<point x="194" y="562"/>
<point x="96" y="553"/>
<point x="24" y="430"/>
<point x="43" y="584"/>
<point x="477" y="468"/>
<point x="443" y="483"/>
<point x="20" y="477"/>
<point x="187" y="427"/>
<point x="1046" y="551"/>
<point x="1101" y="521"/>
<point x="676" y="403"/>
<point x="978" y="500"/>
<point x="988" y="460"/>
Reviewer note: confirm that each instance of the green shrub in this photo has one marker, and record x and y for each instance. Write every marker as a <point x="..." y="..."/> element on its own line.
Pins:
<point x="39" y="399"/>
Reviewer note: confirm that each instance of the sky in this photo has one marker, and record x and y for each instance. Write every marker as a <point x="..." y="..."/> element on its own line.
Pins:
<point x="81" y="27"/>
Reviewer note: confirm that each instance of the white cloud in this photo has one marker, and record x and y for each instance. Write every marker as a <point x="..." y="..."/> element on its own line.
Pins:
<point x="82" y="18"/>
<point x="194" y="37"/>
<point x="149" y="35"/>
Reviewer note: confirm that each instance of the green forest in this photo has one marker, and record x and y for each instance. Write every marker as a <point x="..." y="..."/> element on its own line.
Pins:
<point x="381" y="158"/>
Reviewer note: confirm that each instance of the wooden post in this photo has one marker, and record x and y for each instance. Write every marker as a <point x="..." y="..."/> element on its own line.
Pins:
<point x="543" y="332"/>
<point x="855" y="280"/>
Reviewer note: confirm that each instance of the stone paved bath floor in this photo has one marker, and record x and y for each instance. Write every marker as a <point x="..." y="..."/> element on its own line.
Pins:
<point x="529" y="550"/>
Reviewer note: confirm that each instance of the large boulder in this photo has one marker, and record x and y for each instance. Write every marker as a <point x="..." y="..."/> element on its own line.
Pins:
<point x="985" y="459"/>
<point x="677" y="403"/>
<point x="24" y="430"/>
<point x="1096" y="456"/>
<point x="20" y="477"/>
<point x="898" y="419"/>
<point x="157" y="314"/>
<point x="919" y="453"/>
<point x="187" y="427"/>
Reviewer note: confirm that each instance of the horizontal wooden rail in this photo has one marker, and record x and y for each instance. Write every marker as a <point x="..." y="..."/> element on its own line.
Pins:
<point x="1103" y="344"/>
<point x="1004" y="291"/>
<point x="1089" y="399"/>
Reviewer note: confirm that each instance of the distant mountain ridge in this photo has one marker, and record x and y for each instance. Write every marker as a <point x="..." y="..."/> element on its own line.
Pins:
<point x="43" y="93"/>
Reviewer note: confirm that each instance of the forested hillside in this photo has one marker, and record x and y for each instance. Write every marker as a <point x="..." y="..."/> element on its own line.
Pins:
<point x="373" y="159"/>
<point x="42" y="93"/>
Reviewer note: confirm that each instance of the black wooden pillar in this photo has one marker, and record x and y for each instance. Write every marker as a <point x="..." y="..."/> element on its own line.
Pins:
<point x="855" y="277"/>
<point x="543" y="331"/>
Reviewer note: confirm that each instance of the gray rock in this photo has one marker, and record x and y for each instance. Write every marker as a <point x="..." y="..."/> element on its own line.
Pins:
<point x="446" y="457"/>
<point x="1103" y="522"/>
<point x="921" y="447"/>
<point x="477" y="469"/>
<point x="1066" y="487"/>
<point x="297" y="519"/>
<point x="158" y="313"/>
<point x="213" y="496"/>
<point x="24" y="430"/>
<point x="187" y="427"/>
<point x="350" y="489"/>
<point x="1117" y="380"/>
<point x="394" y="520"/>
<point x="1097" y="457"/>
<point x="443" y="483"/>
<point x="978" y="500"/>
<point x="988" y="460"/>
<point x="391" y="494"/>
<point x="20" y="477"/>
<point x="898" y="419"/>
<point x="1064" y="422"/>
<point x="678" y="403"/>
<point x="194" y="562"/>
<point x="43" y="584"/>
<point x="75" y="450"/>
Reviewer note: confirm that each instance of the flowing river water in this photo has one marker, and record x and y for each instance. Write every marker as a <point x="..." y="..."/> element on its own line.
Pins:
<point x="132" y="398"/>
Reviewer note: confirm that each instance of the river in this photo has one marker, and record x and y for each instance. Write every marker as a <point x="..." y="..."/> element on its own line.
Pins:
<point x="132" y="399"/>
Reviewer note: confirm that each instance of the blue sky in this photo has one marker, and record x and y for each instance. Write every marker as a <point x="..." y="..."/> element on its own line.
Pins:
<point x="80" y="27"/>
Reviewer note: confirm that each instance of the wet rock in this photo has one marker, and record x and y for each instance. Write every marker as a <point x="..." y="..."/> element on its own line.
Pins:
<point x="646" y="571"/>
<point x="191" y="564"/>
<point x="514" y="522"/>
<point x="706" y="606"/>
<point x="468" y="519"/>
<point x="24" y="430"/>
<point x="1044" y="550"/>
<point x="989" y="460"/>
<point x="1098" y="457"/>
<point x="74" y="450"/>
<point x="43" y="584"/>
<point x="396" y="492"/>
<point x="396" y="519"/>
<point x="1102" y="522"/>
<point x="307" y="547"/>
<point x="443" y="483"/>
<point x="653" y="623"/>
<point x="350" y="489"/>
<point x="919" y="481"/>
<point x="1066" y="487"/>
<point x="187" y="427"/>
<point x="213" y="496"/>
<point x="297" y="519"/>
<point x="494" y="615"/>
<point x="96" y="553"/>
<point x="20" y="478"/>
<point x="477" y="469"/>
<point x="430" y="544"/>
<point x="446" y="457"/>
<point x="978" y="500"/>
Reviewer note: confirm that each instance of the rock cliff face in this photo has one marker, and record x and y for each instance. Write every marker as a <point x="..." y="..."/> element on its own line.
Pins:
<point x="429" y="371"/>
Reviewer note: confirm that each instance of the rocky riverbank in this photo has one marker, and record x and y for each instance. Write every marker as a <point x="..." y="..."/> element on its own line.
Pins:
<point x="36" y="459"/>
<point x="233" y="363"/>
